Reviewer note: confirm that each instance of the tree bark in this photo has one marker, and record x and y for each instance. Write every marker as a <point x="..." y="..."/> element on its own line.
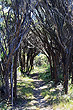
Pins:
<point x="65" y="80"/>
<point x="72" y="74"/>
<point x="7" y="84"/>
<point x="24" y="59"/>
<point x="15" y="75"/>
<point x="55" y="70"/>
<point x="55" y="76"/>
<point x="12" y="83"/>
<point x="72" y="70"/>
<point x="31" y="61"/>
<point x="27" y="66"/>
<point x="72" y="78"/>
<point x="20" y="59"/>
<point x="49" y="60"/>
<point x="65" y="73"/>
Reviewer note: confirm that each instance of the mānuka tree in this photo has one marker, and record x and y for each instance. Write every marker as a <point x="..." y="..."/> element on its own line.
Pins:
<point x="28" y="28"/>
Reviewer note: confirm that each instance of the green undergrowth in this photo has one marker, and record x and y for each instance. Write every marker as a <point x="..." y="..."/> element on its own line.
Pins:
<point x="38" y="70"/>
<point x="3" y="106"/>
<point x="44" y="73"/>
<point x="46" y="76"/>
<point x="55" y="96"/>
<point x="25" y="87"/>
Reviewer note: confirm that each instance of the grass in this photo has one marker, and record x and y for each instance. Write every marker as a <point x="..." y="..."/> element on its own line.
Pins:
<point x="38" y="70"/>
<point x="54" y="95"/>
<point x="25" y="87"/>
<point x="44" y="73"/>
<point x="45" y="76"/>
<point x="4" y="105"/>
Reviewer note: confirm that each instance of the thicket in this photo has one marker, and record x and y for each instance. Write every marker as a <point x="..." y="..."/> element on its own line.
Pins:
<point x="28" y="28"/>
<point x="41" y="61"/>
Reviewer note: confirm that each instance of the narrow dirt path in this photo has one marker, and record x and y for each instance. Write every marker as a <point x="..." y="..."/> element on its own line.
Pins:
<point x="38" y="103"/>
<point x="36" y="94"/>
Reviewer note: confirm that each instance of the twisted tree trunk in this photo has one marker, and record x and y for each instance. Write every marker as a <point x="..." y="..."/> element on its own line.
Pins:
<point x="24" y="59"/>
<point x="15" y="75"/>
<point x="55" y="70"/>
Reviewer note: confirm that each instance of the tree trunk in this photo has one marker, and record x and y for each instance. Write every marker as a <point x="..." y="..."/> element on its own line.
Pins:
<point x="72" y="75"/>
<point x="72" y="78"/>
<point x="55" y="70"/>
<point x="55" y="67"/>
<point x="27" y="66"/>
<point x="12" y="83"/>
<point x="49" y="59"/>
<point x="7" y="84"/>
<point x="24" y="59"/>
<point x="1" y="75"/>
<point x="65" y="73"/>
<point x="65" y="80"/>
<point x="15" y="75"/>
<point x="72" y="70"/>
<point x="31" y="61"/>
<point x="20" y="59"/>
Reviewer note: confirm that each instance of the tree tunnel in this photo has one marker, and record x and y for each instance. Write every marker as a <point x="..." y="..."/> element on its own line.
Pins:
<point x="30" y="27"/>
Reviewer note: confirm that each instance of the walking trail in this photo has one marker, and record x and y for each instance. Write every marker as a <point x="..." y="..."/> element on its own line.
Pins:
<point x="38" y="102"/>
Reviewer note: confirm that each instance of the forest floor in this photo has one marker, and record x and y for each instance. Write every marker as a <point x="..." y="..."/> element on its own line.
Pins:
<point x="36" y="92"/>
<point x="34" y="99"/>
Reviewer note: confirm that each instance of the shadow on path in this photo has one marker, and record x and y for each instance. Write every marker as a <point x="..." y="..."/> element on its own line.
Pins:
<point x="44" y="95"/>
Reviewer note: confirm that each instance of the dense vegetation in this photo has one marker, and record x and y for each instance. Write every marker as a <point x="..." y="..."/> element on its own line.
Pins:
<point x="31" y="27"/>
<point x="53" y="95"/>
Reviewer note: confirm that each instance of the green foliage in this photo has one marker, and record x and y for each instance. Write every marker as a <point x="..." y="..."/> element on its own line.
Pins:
<point x="55" y="96"/>
<point x="41" y="60"/>
<point x="38" y="70"/>
<point x="2" y="55"/>
<point x="6" y="2"/>
<point x="25" y="87"/>
<point x="19" y="68"/>
<point x="4" y="106"/>
<point x="46" y="76"/>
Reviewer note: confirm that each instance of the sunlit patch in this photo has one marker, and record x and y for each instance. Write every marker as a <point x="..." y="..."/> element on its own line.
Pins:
<point x="52" y="89"/>
<point x="6" y="9"/>
<point x="33" y="102"/>
<point x="44" y="87"/>
<point x="47" y="97"/>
